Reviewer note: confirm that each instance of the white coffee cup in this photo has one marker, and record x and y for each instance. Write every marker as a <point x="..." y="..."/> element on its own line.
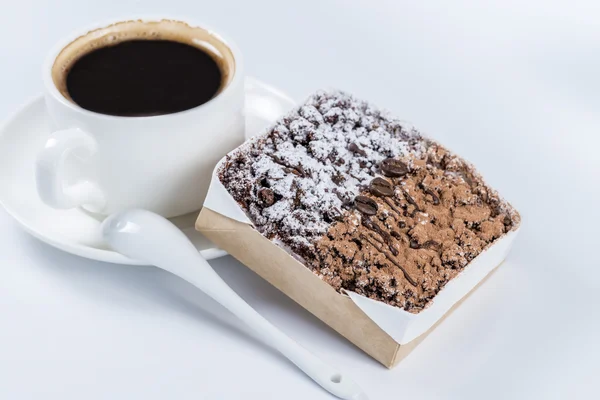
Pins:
<point x="105" y="163"/>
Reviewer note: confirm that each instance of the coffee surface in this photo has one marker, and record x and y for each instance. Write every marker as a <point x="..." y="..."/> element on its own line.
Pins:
<point x="144" y="78"/>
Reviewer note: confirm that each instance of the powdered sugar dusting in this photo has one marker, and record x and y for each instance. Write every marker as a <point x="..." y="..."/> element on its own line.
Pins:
<point x="312" y="163"/>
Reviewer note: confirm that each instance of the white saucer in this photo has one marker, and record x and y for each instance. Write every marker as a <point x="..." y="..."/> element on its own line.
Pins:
<point x="76" y="231"/>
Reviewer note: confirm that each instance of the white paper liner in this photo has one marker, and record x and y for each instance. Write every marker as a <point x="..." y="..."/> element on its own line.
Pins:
<point x="220" y="201"/>
<point x="401" y="325"/>
<point x="404" y="327"/>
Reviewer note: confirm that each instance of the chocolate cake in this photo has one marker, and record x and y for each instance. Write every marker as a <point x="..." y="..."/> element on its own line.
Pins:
<point x="365" y="201"/>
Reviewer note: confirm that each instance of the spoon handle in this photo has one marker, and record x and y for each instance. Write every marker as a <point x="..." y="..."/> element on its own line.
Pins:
<point x="144" y="235"/>
<point x="199" y="273"/>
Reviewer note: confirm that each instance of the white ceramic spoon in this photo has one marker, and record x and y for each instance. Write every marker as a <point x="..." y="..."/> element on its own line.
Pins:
<point x="145" y="236"/>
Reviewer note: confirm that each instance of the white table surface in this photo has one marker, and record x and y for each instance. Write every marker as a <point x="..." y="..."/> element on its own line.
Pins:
<point x="513" y="86"/>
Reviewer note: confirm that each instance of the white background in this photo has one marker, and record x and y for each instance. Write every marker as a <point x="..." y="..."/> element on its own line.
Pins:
<point x="512" y="85"/>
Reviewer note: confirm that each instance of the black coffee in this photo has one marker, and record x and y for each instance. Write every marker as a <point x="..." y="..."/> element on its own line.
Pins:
<point x="144" y="77"/>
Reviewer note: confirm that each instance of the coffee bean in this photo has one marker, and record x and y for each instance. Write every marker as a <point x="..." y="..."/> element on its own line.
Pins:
<point x="365" y="205"/>
<point x="414" y="244"/>
<point x="353" y="147"/>
<point x="393" y="168"/>
<point x="266" y="197"/>
<point x="380" y="187"/>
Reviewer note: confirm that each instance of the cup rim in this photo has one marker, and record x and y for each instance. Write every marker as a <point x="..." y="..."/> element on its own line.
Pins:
<point x="61" y="44"/>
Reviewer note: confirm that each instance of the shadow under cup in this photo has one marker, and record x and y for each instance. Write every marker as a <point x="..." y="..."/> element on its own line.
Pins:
<point x="141" y="30"/>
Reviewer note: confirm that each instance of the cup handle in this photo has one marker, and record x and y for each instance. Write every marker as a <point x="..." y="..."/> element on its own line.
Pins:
<point x="49" y="174"/>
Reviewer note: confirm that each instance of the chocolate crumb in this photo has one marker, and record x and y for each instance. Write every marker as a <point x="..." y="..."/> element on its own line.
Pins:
<point x="353" y="147"/>
<point x="431" y="244"/>
<point x="410" y="200"/>
<point x="266" y="197"/>
<point x="393" y="206"/>
<point x="338" y="179"/>
<point x="434" y="196"/>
